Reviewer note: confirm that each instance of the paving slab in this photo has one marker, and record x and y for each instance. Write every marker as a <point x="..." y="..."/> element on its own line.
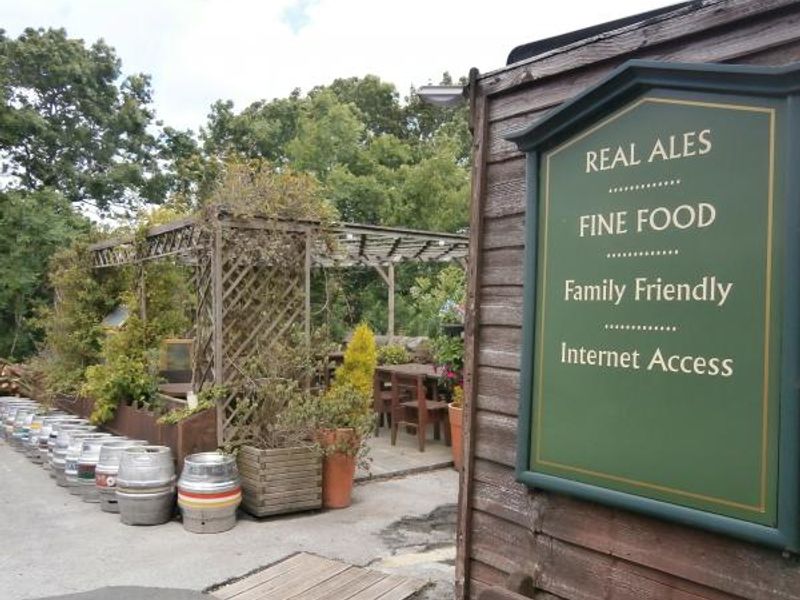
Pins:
<point x="54" y="543"/>
<point x="403" y="458"/>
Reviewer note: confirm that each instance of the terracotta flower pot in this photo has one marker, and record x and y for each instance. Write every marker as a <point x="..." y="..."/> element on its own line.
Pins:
<point x="338" y="468"/>
<point x="456" y="415"/>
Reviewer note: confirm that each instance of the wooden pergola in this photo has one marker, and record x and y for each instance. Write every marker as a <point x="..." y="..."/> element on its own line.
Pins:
<point x="246" y="301"/>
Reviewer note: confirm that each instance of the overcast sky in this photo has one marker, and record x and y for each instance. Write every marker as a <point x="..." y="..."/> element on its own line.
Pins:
<point x="199" y="51"/>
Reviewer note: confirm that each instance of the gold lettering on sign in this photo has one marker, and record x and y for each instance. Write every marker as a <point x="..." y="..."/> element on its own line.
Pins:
<point x="671" y="147"/>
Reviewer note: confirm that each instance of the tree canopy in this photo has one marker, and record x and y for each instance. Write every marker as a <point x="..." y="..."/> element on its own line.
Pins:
<point x="70" y="124"/>
<point x="77" y="137"/>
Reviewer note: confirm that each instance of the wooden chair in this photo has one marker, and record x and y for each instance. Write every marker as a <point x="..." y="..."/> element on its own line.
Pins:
<point x="417" y="412"/>
<point x="382" y="399"/>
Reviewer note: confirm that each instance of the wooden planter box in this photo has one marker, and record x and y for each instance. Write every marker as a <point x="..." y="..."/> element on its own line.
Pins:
<point x="197" y="433"/>
<point x="279" y="481"/>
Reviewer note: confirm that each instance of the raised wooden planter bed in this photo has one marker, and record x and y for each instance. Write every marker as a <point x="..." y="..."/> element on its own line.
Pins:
<point x="281" y="480"/>
<point x="197" y="433"/>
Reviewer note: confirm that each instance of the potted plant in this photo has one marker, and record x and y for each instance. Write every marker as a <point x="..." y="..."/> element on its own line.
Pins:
<point x="280" y="463"/>
<point x="456" y="414"/>
<point x="343" y="418"/>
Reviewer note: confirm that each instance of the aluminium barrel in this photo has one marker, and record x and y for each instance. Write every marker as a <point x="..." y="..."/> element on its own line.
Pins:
<point x="146" y="485"/>
<point x="209" y="492"/>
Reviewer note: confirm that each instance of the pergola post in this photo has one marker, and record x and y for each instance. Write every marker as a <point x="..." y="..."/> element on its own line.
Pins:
<point x="307" y="281"/>
<point x="388" y="277"/>
<point x="216" y="304"/>
<point x="391" y="301"/>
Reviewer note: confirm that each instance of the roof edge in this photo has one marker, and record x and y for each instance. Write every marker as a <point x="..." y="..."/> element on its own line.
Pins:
<point x="538" y="47"/>
<point x="636" y="76"/>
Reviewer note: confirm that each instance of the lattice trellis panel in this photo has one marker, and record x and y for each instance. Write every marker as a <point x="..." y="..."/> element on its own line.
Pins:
<point x="251" y="291"/>
<point x="203" y="369"/>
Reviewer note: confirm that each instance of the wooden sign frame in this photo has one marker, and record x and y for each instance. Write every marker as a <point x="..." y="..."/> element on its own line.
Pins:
<point x="778" y="86"/>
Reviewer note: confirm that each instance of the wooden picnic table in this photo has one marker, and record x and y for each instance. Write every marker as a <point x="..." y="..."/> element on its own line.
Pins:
<point x="430" y="411"/>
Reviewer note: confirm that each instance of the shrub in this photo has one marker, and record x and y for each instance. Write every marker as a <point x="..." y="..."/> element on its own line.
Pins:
<point x="341" y="407"/>
<point x="360" y="360"/>
<point x="393" y="354"/>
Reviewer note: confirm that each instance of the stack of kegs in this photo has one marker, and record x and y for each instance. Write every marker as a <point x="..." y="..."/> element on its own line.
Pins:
<point x="146" y="485"/>
<point x="9" y="406"/>
<point x="124" y="476"/>
<point x="209" y="492"/>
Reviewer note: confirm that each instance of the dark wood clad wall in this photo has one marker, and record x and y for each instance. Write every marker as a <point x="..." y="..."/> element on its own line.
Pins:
<point x="576" y="550"/>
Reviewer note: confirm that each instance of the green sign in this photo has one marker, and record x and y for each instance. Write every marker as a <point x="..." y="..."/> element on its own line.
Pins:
<point x="652" y="373"/>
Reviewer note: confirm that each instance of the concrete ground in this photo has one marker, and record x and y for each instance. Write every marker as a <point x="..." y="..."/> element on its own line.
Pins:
<point x="53" y="543"/>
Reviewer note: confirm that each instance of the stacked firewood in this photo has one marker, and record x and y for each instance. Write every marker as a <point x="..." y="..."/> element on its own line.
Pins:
<point x="11" y="379"/>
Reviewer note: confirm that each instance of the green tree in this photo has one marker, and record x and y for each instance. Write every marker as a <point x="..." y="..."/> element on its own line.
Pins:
<point x="262" y="130"/>
<point x="32" y="227"/>
<point x="69" y="123"/>
<point x="328" y="133"/>
<point x="377" y="103"/>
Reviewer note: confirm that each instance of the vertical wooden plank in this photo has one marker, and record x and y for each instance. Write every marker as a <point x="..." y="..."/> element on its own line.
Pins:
<point x="307" y="289"/>
<point x="391" y="302"/>
<point x="480" y="132"/>
<point x="217" y="329"/>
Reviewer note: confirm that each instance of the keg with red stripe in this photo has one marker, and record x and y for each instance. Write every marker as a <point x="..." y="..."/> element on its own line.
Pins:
<point x="209" y="492"/>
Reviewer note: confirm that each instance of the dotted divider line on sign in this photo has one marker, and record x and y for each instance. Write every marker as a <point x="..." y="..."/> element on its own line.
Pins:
<point x="638" y="187"/>
<point x="632" y="327"/>
<point x="643" y="253"/>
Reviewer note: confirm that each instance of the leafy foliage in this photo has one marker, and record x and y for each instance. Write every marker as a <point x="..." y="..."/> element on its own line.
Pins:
<point x="70" y="123"/>
<point x="440" y="299"/>
<point x="248" y="187"/>
<point x="448" y="352"/>
<point x="32" y="227"/>
<point x="72" y="325"/>
<point x="393" y="354"/>
<point x="342" y="407"/>
<point x="206" y="400"/>
<point x="275" y="389"/>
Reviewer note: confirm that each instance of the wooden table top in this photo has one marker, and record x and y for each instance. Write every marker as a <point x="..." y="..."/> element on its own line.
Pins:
<point x="424" y="369"/>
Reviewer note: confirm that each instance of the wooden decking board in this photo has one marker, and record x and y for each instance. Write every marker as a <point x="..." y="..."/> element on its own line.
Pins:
<point x="404" y="590"/>
<point x="369" y="578"/>
<point x="267" y="589"/>
<point x="229" y="591"/>
<point x="307" y="577"/>
<point x="303" y="582"/>
<point x="376" y="591"/>
<point x="332" y="585"/>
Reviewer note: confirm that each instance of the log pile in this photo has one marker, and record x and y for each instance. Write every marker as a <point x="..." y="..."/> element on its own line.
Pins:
<point x="12" y="379"/>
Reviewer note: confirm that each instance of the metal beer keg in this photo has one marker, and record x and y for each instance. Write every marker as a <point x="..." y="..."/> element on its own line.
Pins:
<point x="146" y="485"/>
<point x="209" y="492"/>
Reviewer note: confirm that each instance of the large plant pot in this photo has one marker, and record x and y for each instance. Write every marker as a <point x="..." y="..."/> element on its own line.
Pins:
<point x="456" y="414"/>
<point x="280" y="480"/>
<point x="338" y="467"/>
